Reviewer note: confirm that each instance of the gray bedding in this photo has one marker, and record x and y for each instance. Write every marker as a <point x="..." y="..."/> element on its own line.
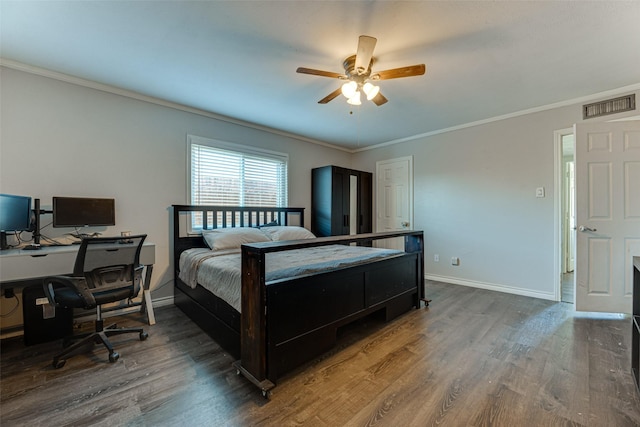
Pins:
<point x="219" y="271"/>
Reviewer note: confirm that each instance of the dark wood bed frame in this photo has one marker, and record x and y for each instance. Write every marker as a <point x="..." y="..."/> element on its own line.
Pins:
<point x="285" y="323"/>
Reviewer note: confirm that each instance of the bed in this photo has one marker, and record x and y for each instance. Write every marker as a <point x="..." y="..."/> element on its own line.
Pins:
<point x="283" y="320"/>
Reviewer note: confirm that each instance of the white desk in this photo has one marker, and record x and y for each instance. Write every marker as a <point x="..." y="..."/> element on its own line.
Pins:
<point x="18" y="267"/>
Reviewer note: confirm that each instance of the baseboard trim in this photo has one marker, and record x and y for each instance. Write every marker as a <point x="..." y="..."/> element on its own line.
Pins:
<point x="17" y="330"/>
<point x="492" y="287"/>
<point x="162" y="302"/>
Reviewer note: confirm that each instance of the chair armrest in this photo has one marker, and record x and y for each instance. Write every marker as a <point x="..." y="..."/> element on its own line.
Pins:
<point x="137" y="277"/>
<point x="77" y="284"/>
<point x="138" y="269"/>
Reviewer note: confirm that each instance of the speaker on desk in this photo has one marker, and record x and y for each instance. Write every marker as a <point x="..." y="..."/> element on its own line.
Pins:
<point x="42" y="321"/>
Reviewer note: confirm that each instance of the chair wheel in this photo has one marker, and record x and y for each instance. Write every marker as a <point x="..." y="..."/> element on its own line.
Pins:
<point x="143" y="336"/>
<point x="57" y="364"/>
<point x="113" y="357"/>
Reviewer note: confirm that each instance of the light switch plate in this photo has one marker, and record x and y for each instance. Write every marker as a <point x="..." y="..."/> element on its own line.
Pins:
<point x="540" y="192"/>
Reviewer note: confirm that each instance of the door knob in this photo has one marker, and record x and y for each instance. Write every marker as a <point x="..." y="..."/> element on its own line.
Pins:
<point x="583" y="228"/>
<point x="404" y="224"/>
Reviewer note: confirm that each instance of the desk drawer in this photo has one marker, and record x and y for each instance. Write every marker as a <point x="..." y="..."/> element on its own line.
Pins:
<point x="17" y="264"/>
<point x="36" y="265"/>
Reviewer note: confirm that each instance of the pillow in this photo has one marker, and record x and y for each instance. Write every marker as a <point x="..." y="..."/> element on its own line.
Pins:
<point x="280" y="232"/>
<point x="232" y="238"/>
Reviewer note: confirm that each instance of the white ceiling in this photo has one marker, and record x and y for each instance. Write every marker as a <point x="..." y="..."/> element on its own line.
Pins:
<point x="238" y="58"/>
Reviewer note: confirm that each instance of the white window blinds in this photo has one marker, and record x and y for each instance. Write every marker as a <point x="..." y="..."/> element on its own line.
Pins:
<point x="228" y="174"/>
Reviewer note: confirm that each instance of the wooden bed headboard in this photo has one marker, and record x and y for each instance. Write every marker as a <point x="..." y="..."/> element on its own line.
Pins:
<point x="209" y="217"/>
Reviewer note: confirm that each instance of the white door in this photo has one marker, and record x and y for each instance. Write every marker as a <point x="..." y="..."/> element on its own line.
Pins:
<point x="394" y="194"/>
<point x="607" y="214"/>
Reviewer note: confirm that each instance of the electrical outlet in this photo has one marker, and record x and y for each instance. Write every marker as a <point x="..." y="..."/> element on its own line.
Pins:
<point x="436" y="258"/>
<point x="455" y="260"/>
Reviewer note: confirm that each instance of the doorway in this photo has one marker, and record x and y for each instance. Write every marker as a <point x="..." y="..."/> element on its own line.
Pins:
<point x="566" y="146"/>
<point x="394" y="198"/>
<point x="607" y="158"/>
<point x="607" y="206"/>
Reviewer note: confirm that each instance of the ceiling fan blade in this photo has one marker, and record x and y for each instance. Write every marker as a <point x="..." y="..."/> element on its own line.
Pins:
<point x="396" y="73"/>
<point x="321" y="73"/>
<point x="366" y="44"/>
<point x="379" y="99"/>
<point x="331" y="96"/>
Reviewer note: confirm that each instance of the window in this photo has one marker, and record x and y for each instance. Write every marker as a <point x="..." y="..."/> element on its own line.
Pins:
<point x="226" y="174"/>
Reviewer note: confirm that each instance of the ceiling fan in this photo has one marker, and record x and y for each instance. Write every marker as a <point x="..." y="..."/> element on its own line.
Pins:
<point x="358" y="75"/>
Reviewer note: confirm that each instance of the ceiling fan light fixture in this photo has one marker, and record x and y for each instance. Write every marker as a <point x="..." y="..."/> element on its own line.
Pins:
<point x="355" y="99"/>
<point x="370" y="90"/>
<point x="358" y="75"/>
<point x="349" y="89"/>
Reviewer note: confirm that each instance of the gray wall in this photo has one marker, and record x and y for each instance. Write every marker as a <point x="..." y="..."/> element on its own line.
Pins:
<point x="475" y="198"/>
<point x="474" y="188"/>
<point x="63" y="139"/>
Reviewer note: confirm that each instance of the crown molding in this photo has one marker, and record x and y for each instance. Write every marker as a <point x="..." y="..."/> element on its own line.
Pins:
<point x="568" y="102"/>
<point x="157" y="101"/>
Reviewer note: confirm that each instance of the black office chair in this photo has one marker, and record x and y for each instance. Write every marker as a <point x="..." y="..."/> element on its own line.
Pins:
<point x="107" y="270"/>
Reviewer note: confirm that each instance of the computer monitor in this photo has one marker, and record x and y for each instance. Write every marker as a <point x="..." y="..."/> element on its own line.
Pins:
<point x="15" y="215"/>
<point x="83" y="212"/>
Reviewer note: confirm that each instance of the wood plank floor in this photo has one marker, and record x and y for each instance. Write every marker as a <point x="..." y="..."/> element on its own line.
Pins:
<point x="473" y="358"/>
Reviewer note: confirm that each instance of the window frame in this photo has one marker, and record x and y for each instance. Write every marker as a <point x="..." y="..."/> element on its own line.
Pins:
<point x="237" y="149"/>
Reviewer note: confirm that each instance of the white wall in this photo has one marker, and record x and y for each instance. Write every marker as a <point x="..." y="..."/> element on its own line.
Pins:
<point x="474" y="197"/>
<point x="63" y="139"/>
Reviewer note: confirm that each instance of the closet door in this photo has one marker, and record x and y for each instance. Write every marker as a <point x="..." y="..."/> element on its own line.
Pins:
<point x="365" y="202"/>
<point x="322" y="201"/>
<point x="341" y="201"/>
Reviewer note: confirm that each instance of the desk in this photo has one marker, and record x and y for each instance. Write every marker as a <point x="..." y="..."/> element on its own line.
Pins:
<point x="20" y="268"/>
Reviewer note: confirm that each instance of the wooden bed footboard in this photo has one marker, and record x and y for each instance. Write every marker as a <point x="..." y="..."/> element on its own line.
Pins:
<point x="338" y="296"/>
<point x="286" y="323"/>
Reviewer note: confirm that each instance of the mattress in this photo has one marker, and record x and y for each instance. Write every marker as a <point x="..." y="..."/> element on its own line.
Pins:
<point x="219" y="271"/>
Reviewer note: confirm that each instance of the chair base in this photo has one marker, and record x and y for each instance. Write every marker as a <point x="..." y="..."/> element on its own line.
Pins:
<point x="99" y="336"/>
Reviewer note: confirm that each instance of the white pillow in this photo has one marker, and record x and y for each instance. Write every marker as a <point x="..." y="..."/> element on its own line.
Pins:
<point x="290" y="232"/>
<point x="232" y="238"/>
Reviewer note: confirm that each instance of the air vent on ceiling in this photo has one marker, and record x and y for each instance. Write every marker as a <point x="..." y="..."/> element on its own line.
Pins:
<point x="610" y="106"/>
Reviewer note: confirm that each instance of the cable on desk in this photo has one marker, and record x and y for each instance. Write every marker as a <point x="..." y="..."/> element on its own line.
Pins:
<point x="15" y="234"/>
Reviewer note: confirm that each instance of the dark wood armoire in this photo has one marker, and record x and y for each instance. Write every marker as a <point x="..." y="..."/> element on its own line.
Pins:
<point x="341" y="201"/>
